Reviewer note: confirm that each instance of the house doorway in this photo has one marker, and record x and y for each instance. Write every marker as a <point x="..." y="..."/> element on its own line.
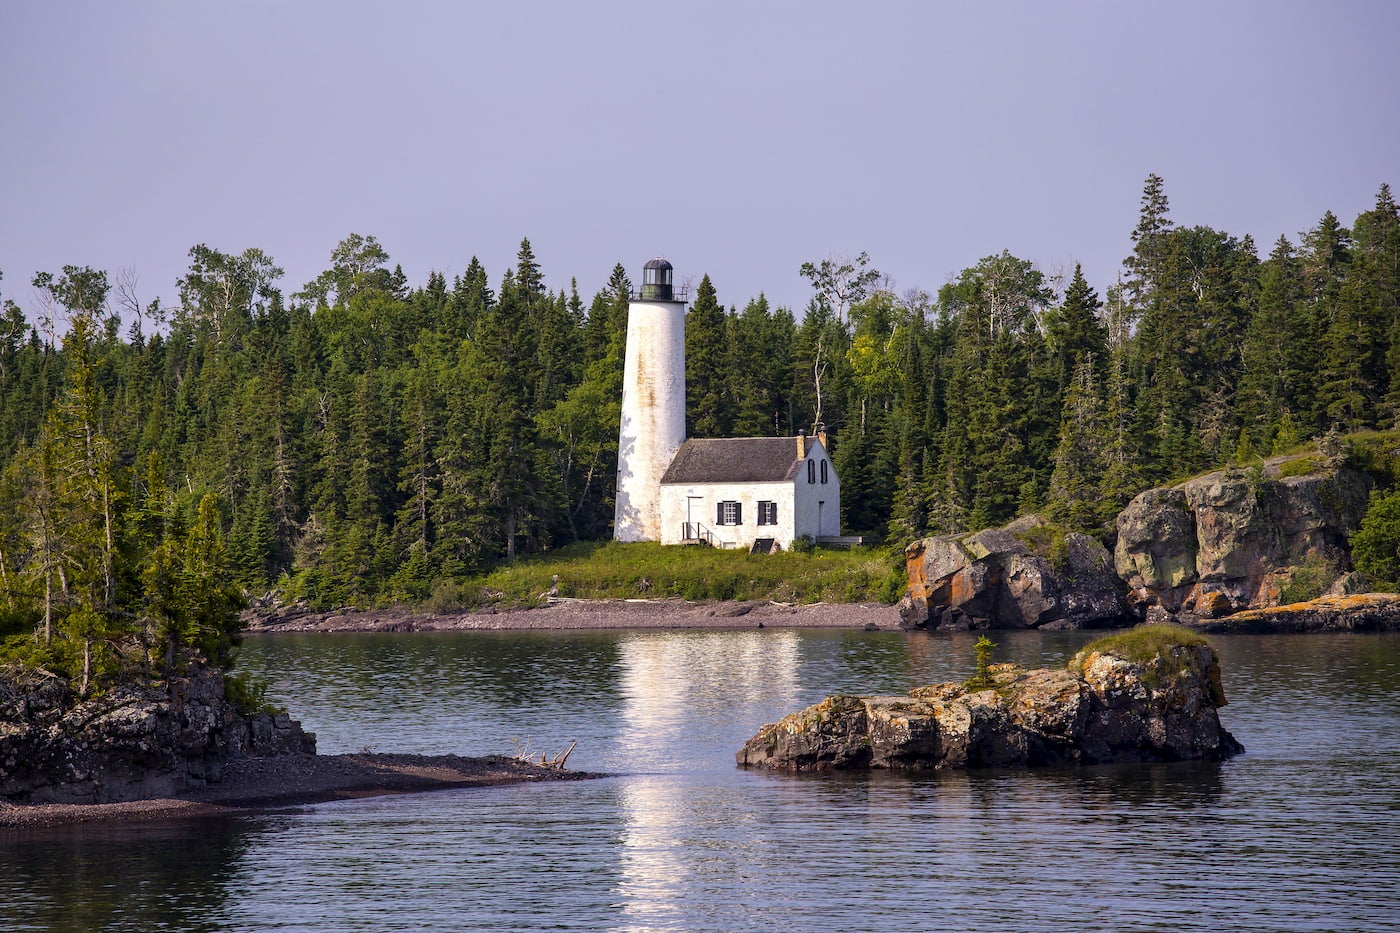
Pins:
<point x="693" y="512"/>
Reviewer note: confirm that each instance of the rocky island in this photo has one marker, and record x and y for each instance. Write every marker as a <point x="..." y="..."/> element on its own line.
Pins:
<point x="181" y="746"/>
<point x="1149" y="694"/>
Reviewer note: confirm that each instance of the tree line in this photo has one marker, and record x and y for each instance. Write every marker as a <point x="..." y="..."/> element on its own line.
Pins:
<point x="362" y="440"/>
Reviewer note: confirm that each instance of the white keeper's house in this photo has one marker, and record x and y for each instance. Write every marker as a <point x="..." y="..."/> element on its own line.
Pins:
<point x="756" y="493"/>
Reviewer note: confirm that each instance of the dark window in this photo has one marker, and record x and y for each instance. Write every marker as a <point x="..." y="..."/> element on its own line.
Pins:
<point x="823" y="471"/>
<point x="729" y="513"/>
<point x="811" y="471"/>
<point x="767" y="513"/>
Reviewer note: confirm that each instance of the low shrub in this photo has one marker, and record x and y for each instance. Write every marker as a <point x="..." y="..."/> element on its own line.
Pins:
<point x="1050" y="542"/>
<point x="1308" y="580"/>
<point x="1300" y="466"/>
<point x="249" y="695"/>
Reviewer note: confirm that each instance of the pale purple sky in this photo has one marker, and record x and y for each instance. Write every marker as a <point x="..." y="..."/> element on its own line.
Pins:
<point x="738" y="139"/>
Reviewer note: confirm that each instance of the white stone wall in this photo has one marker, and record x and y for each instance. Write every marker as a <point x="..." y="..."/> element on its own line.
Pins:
<point x="803" y="508"/>
<point x="706" y="496"/>
<point x="817" y="505"/>
<point x="653" y="415"/>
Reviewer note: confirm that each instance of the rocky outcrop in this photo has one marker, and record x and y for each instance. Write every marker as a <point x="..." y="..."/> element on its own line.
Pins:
<point x="1362" y="612"/>
<point x="1105" y="708"/>
<point x="1026" y="575"/>
<point x="133" y="742"/>
<point x="1227" y="541"/>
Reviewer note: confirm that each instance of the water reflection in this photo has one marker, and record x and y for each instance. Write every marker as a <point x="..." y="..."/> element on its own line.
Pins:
<point x="679" y="692"/>
<point x="678" y="689"/>
<point x="137" y="877"/>
<point x="1302" y="832"/>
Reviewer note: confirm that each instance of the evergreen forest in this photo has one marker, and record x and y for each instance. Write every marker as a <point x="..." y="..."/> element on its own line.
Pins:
<point x="365" y="440"/>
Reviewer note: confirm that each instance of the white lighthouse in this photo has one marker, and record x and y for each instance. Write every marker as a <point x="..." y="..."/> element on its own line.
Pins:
<point x="653" y="403"/>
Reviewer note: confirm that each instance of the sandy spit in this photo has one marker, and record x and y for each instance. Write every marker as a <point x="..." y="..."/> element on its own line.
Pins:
<point x="568" y="614"/>
<point x="296" y="780"/>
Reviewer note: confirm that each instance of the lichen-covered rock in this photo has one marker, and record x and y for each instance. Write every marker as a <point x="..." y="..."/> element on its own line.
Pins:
<point x="1354" y="612"/>
<point x="1229" y="541"/>
<point x="1025" y="575"/>
<point x="1104" y="708"/>
<point x="131" y="743"/>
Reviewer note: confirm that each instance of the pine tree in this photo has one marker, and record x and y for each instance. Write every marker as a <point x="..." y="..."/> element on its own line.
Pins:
<point x="1075" y="498"/>
<point x="909" y="509"/>
<point x="708" y="401"/>
<point x="1344" y="385"/>
<point x="1276" y="358"/>
<point x="1146" y="265"/>
<point x="760" y="364"/>
<point x="471" y="298"/>
<point x="1074" y="330"/>
<point x="1371" y="292"/>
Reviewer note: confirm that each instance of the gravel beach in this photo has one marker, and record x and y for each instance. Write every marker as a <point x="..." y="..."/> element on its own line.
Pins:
<point x="569" y="614"/>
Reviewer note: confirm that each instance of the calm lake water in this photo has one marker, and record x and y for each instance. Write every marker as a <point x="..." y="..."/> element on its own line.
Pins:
<point x="1300" y="833"/>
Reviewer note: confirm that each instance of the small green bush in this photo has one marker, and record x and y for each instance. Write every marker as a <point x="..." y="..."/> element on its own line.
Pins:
<point x="447" y="596"/>
<point x="1300" y="466"/>
<point x="1050" y="542"/>
<point x="249" y="695"/>
<point x="1308" y="580"/>
<point x="1377" y="453"/>
<point x="1375" y="547"/>
<point x="982" y="652"/>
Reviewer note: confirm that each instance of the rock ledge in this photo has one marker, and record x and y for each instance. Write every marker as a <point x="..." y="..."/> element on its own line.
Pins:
<point x="134" y="742"/>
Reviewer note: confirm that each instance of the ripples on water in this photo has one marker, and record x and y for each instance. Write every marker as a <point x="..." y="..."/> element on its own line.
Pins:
<point x="1301" y="833"/>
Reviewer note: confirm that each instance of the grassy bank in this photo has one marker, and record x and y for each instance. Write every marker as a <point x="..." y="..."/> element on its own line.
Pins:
<point x="609" y="570"/>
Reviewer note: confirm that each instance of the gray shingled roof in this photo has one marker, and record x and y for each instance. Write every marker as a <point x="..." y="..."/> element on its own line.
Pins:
<point x="734" y="460"/>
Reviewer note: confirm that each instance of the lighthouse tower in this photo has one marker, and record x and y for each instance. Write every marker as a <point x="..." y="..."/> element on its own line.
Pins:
<point x="653" y="403"/>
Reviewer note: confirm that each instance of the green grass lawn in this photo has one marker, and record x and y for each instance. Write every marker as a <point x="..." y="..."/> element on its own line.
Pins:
<point x="609" y="570"/>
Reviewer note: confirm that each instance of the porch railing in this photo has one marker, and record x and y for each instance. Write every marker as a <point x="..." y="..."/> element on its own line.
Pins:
<point x="694" y="531"/>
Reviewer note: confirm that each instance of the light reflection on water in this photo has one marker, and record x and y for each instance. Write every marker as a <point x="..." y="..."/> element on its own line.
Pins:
<point x="1302" y="832"/>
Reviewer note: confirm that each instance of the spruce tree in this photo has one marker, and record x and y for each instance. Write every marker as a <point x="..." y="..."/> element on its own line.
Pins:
<point x="1074" y="330"/>
<point x="760" y="354"/>
<point x="1276" y="358"/>
<point x="709" y="408"/>
<point x="1146" y="265"/>
<point x="1075" y="498"/>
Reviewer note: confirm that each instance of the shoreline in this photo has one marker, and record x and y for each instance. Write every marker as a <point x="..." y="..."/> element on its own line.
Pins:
<point x="584" y="614"/>
<point x="1365" y="612"/>
<point x="256" y="784"/>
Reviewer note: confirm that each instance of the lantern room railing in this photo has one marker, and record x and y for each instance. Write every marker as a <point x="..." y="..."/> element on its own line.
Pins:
<point x="678" y="293"/>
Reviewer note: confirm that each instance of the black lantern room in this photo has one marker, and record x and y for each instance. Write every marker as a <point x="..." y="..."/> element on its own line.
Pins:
<point x="656" y="281"/>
